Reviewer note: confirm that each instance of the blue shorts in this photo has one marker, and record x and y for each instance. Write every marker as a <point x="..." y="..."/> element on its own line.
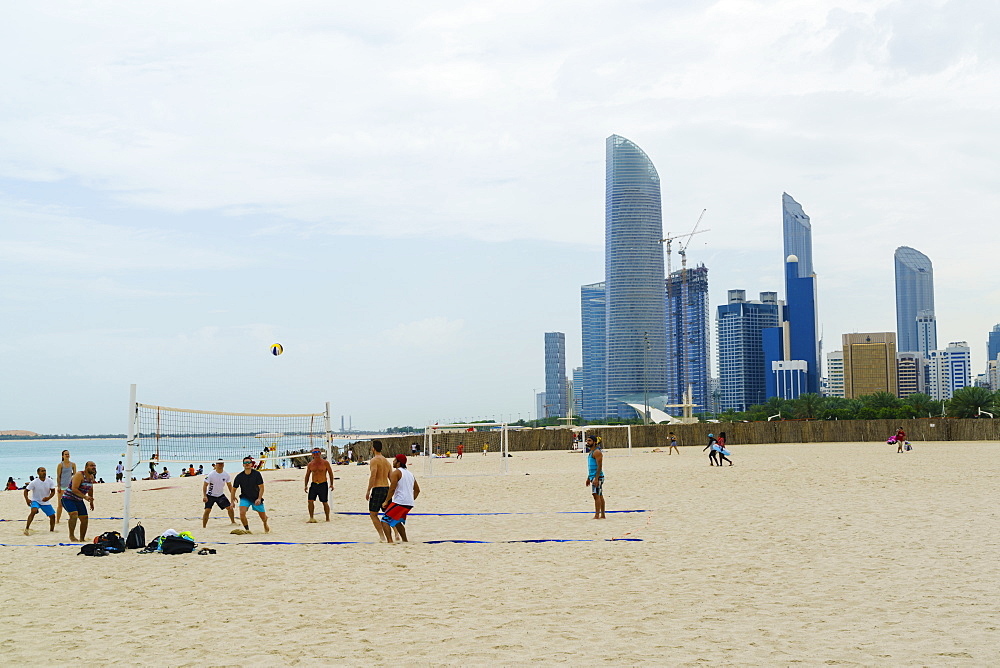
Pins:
<point x="597" y="486"/>
<point x="247" y="503"/>
<point x="45" y="508"/>
<point x="78" y="506"/>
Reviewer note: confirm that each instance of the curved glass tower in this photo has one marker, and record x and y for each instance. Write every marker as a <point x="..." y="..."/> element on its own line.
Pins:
<point x="797" y="234"/>
<point x="634" y="279"/>
<point x="914" y="302"/>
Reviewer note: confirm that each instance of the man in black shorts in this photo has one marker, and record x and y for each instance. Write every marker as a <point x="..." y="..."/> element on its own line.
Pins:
<point x="318" y="470"/>
<point x="378" y="488"/>
<point x="213" y="493"/>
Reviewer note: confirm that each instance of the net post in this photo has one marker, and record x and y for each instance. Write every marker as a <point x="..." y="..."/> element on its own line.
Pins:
<point x="329" y="436"/>
<point x="504" y="448"/>
<point x="130" y="446"/>
<point x="629" y="428"/>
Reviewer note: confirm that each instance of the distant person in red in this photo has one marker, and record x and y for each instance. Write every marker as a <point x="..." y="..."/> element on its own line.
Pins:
<point x="900" y="439"/>
<point x="461" y="449"/>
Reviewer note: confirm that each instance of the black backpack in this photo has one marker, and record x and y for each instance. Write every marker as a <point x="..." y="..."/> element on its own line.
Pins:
<point x="92" y="550"/>
<point x="136" y="538"/>
<point x="111" y="541"/>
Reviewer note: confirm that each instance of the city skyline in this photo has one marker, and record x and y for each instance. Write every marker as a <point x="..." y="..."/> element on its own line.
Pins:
<point x="163" y="221"/>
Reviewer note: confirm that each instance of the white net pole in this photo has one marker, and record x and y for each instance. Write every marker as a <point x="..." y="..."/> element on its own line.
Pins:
<point x="629" y="428"/>
<point x="130" y="447"/>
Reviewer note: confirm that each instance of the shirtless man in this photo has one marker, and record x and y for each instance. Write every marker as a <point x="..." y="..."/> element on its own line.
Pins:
<point x="378" y="488"/>
<point x="318" y="470"/>
<point x="77" y="497"/>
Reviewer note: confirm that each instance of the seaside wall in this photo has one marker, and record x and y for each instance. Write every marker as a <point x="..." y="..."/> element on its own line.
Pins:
<point x="737" y="433"/>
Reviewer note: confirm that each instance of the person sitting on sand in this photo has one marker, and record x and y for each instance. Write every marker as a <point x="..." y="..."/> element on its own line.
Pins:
<point x="165" y="475"/>
<point x="11" y="485"/>
<point x="201" y="470"/>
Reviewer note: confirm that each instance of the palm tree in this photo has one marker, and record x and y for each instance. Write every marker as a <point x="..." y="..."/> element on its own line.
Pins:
<point x="776" y="406"/>
<point x="922" y="404"/>
<point x="881" y="400"/>
<point x="808" y="405"/>
<point x="968" y="401"/>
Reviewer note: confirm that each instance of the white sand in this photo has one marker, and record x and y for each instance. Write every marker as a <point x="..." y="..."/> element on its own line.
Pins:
<point x="828" y="553"/>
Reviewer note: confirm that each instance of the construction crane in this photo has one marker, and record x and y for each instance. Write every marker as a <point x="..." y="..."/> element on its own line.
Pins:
<point x="687" y="400"/>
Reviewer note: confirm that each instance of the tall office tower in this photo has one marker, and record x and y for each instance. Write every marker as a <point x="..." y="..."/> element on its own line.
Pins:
<point x="914" y="301"/>
<point x="993" y="343"/>
<point x="869" y="363"/>
<point x="949" y="370"/>
<point x="556" y="394"/>
<point x="687" y="309"/>
<point x="835" y="373"/>
<point x="795" y="340"/>
<point x="910" y="373"/>
<point x="594" y="318"/>
<point x="742" y="375"/>
<point x="633" y="262"/>
<point x="797" y="234"/>
<point x="577" y="393"/>
<point x="993" y="373"/>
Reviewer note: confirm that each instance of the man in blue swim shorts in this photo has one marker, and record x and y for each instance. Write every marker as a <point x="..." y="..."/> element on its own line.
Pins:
<point x="42" y="490"/>
<point x="251" y="485"/>
<point x="595" y="475"/>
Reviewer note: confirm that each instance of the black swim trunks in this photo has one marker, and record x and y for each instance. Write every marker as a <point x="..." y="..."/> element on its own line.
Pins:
<point x="377" y="498"/>
<point x="220" y="501"/>
<point x="319" y="490"/>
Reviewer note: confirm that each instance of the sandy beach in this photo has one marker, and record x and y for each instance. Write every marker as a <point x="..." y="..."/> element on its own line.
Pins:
<point x="839" y="554"/>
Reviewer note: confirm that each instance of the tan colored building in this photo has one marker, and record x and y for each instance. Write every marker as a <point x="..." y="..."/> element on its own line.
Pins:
<point x="869" y="363"/>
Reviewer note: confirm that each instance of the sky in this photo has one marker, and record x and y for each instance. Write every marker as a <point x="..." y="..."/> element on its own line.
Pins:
<point x="407" y="196"/>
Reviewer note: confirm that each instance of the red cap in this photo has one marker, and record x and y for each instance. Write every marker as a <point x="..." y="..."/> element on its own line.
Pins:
<point x="401" y="459"/>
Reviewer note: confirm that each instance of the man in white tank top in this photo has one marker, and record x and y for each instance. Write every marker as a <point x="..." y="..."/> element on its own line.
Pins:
<point x="403" y="491"/>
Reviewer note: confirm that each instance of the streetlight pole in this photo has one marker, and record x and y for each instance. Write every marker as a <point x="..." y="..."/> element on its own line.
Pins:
<point x="645" y="379"/>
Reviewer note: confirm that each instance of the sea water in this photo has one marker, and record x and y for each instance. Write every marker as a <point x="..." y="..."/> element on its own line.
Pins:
<point x="21" y="458"/>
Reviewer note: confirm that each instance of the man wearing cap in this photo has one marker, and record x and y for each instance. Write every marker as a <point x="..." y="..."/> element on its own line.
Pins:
<point x="403" y="491"/>
<point x="318" y="470"/>
<point x="213" y="492"/>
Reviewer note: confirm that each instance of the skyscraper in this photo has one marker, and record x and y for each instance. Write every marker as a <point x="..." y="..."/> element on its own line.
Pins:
<point x="594" y="318"/>
<point x="556" y="396"/>
<point x="915" y="320"/>
<point x="634" y="280"/>
<point x="688" y="313"/>
<point x="910" y="373"/>
<point x="797" y="234"/>
<point x="993" y="343"/>
<point x="949" y="370"/>
<point x="794" y="344"/>
<point x="869" y="363"/>
<point x="577" y="394"/>
<point x="742" y="376"/>
<point x="835" y="373"/>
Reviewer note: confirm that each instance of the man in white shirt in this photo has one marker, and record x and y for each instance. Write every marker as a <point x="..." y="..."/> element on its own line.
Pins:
<point x="42" y="490"/>
<point x="213" y="492"/>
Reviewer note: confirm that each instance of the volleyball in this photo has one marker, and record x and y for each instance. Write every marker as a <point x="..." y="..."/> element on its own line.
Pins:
<point x="276" y="349"/>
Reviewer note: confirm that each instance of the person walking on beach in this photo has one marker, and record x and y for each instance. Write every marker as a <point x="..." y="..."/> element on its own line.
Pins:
<point x="403" y="492"/>
<point x="461" y="449"/>
<point x="251" y="485"/>
<point x="378" y="488"/>
<point x="595" y="475"/>
<point x="486" y="446"/>
<point x="77" y="496"/>
<point x="900" y="439"/>
<point x="213" y="492"/>
<point x="65" y="471"/>
<point x="119" y="472"/>
<point x="673" y="445"/>
<point x="713" y="451"/>
<point x="721" y="442"/>
<point x="318" y="470"/>
<point x="42" y="490"/>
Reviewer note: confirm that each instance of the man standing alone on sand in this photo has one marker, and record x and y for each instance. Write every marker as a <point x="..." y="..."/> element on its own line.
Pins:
<point x="213" y="493"/>
<point x="403" y="490"/>
<point x="319" y="470"/>
<point x="251" y="485"/>
<point x="461" y="449"/>
<point x="76" y="498"/>
<point x="378" y="488"/>
<point x="673" y="445"/>
<point x="42" y="490"/>
<point x="595" y="475"/>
